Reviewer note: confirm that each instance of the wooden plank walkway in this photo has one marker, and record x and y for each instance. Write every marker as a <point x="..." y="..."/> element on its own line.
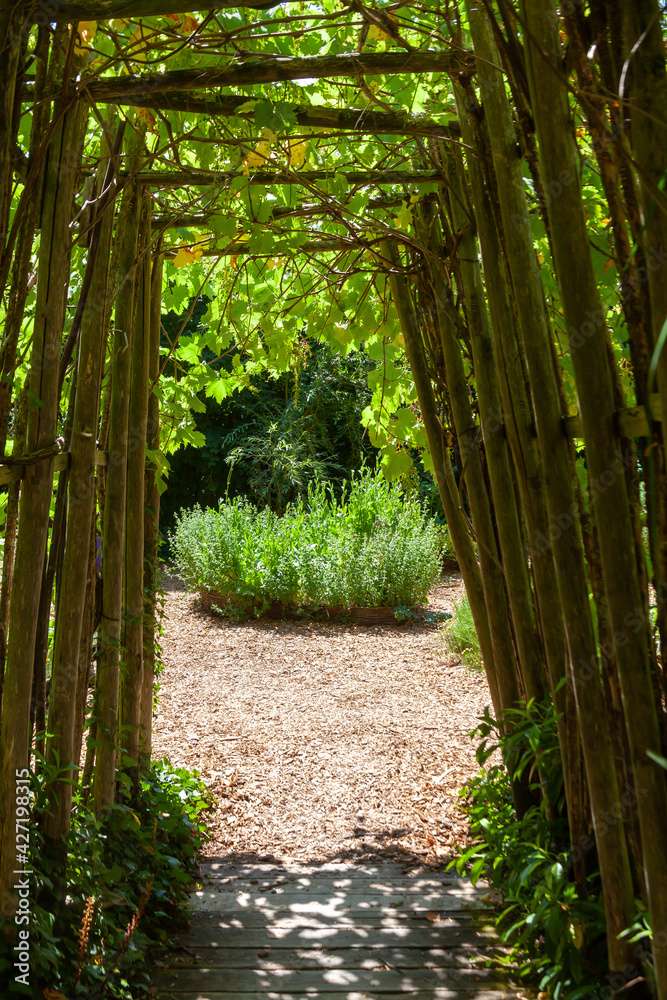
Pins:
<point x="335" y="932"/>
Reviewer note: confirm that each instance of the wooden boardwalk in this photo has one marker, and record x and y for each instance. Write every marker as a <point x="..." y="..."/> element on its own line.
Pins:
<point x="335" y="932"/>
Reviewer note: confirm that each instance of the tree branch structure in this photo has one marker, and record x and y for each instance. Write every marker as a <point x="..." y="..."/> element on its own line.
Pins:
<point x="349" y="119"/>
<point x="255" y="71"/>
<point x="44" y="11"/>
<point x="201" y="178"/>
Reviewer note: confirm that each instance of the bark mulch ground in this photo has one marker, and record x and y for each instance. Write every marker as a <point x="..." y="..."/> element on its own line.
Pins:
<point x="320" y="740"/>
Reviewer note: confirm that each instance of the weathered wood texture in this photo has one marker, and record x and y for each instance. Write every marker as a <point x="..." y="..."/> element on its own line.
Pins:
<point x="349" y="119"/>
<point x="333" y="931"/>
<point x="281" y="68"/>
<point x="60" y="10"/>
<point x="206" y="178"/>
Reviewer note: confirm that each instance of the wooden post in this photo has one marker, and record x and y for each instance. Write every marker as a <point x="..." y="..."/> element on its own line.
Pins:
<point x="567" y="544"/>
<point x="460" y="535"/>
<point x="60" y="184"/>
<point x="132" y="674"/>
<point x="81" y="507"/>
<point x="113" y="535"/>
<point x="585" y="321"/>
<point x="152" y="509"/>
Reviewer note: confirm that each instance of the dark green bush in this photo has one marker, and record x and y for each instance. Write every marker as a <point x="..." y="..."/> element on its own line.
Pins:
<point x="267" y="442"/>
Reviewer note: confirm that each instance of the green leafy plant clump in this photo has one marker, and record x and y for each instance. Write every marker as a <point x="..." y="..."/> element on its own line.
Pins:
<point x="372" y="547"/>
<point x="128" y="875"/>
<point x="555" y="927"/>
<point x="459" y="636"/>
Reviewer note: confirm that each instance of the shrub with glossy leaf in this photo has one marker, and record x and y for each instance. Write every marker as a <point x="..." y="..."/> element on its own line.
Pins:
<point x="135" y="861"/>
<point x="373" y="547"/>
<point x="557" y="933"/>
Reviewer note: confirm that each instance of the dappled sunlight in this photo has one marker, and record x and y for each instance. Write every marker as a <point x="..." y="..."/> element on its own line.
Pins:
<point x="339" y="928"/>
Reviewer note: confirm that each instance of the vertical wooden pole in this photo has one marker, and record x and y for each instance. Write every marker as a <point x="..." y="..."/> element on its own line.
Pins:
<point x="81" y="506"/>
<point x="152" y="509"/>
<point x="132" y="674"/>
<point x="60" y="184"/>
<point x="567" y="543"/>
<point x="461" y="539"/>
<point x="472" y="473"/>
<point x="514" y="566"/>
<point x="113" y="534"/>
<point x="585" y="321"/>
<point x="11" y="522"/>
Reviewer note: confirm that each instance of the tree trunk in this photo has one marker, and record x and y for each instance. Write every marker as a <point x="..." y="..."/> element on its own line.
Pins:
<point x="11" y="521"/>
<point x="586" y="325"/>
<point x="12" y="35"/>
<point x="69" y="621"/>
<point x="485" y="367"/>
<point x="86" y="645"/>
<point x="647" y="100"/>
<point x="465" y="553"/>
<point x="152" y="518"/>
<point x="22" y="251"/>
<point x="472" y="474"/>
<point x="132" y="675"/>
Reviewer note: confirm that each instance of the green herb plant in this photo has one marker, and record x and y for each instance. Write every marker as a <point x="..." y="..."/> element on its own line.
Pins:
<point x="371" y="547"/>
<point x="458" y="636"/>
<point x="556" y="932"/>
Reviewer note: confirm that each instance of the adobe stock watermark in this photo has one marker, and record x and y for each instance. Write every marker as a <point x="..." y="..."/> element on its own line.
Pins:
<point x="21" y="963"/>
<point x="560" y="523"/>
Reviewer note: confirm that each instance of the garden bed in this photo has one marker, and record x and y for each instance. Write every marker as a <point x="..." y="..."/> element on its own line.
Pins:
<point x="278" y="610"/>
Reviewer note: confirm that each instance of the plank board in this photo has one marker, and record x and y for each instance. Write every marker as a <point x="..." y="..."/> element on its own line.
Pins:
<point x="443" y="993"/>
<point x="423" y="936"/>
<point x="259" y="869"/>
<point x="397" y="907"/>
<point x="271" y="958"/>
<point x="289" y="980"/>
<point x="335" y="932"/>
<point x="383" y="883"/>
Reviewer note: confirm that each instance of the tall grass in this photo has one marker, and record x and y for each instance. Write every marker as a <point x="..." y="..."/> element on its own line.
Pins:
<point x="459" y="636"/>
<point x="373" y="547"/>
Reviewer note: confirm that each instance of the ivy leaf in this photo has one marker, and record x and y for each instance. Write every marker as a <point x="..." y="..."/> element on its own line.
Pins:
<point x="223" y="226"/>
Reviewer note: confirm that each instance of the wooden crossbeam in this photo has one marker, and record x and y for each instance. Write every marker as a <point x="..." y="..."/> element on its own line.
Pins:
<point x="632" y="421"/>
<point x="241" y="248"/>
<point x="12" y="473"/>
<point x="266" y="178"/>
<point x="256" y="71"/>
<point x="365" y="120"/>
<point x="105" y="10"/>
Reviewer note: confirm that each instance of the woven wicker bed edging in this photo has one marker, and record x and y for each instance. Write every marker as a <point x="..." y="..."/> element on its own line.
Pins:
<point x="278" y="610"/>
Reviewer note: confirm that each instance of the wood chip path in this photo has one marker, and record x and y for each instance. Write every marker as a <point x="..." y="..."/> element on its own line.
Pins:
<point x="334" y="753"/>
<point x="335" y="932"/>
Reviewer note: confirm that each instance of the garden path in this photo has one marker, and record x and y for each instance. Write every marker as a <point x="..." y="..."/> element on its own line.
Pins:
<point x="334" y="931"/>
<point x="334" y="753"/>
<point x="320" y="740"/>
